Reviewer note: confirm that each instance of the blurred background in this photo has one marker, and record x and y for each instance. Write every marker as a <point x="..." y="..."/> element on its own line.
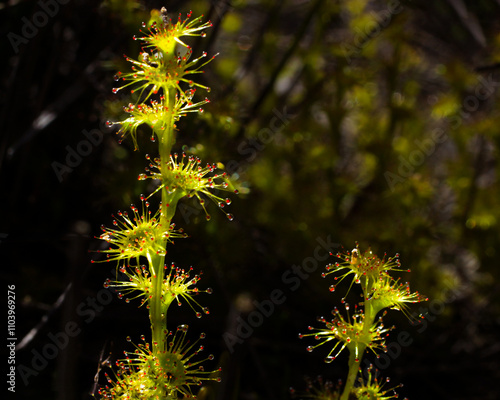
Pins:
<point x="370" y="122"/>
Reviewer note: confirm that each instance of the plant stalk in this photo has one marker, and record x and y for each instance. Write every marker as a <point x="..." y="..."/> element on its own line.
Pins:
<point x="157" y="314"/>
<point x="353" y="372"/>
<point x="157" y="317"/>
<point x="354" y="362"/>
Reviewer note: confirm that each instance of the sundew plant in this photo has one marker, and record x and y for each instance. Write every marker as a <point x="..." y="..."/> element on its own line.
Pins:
<point x="161" y="80"/>
<point x="360" y="329"/>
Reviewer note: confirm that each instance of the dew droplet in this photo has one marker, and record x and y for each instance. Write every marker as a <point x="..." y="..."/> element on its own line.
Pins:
<point x="230" y="217"/>
<point x="332" y="288"/>
<point x="198" y="314"/>
<point x="129" y="339"/>
<point x="115" y="90"/>
<point x="310" y="349"/>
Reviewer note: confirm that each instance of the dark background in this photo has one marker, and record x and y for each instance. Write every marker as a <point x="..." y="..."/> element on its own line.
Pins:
<point x="369" y="83"/>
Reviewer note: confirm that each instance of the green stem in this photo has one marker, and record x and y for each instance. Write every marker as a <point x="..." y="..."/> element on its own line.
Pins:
<point x="157" y="312"/>
<point x="168" y="199"/>
<point x="353" y="373"/>
<point x="157" y="317"/>
<point x="354" y="362"/>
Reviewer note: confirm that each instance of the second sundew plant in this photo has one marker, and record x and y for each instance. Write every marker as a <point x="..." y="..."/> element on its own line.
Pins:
<point x="168" y="367"/>
<point x="361" y="329"/>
